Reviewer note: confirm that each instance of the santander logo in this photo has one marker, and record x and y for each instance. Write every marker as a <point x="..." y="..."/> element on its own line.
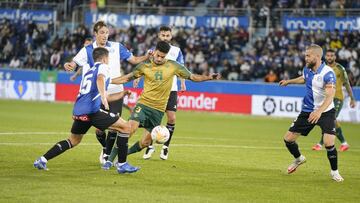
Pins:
<point x="200" y="102"/>
<point x="195" y="102"/>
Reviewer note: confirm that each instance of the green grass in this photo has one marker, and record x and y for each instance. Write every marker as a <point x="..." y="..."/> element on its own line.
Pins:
<point x="213" y="158"/>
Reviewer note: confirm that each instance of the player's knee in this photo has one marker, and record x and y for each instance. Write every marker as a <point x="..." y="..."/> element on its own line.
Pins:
<point x="329" y="140"/>
<point x="145" y="142"/>
<point x="99" y="133"/>
<point x="126" y="128"/>
<point x="289" y="137"/>
<point x="75" y="139"/>
<point x="171" y="118"/>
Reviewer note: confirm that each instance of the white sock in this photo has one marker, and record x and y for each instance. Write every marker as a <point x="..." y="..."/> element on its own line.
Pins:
<point x="120" y="164"/>
<point x="43" y="159"/>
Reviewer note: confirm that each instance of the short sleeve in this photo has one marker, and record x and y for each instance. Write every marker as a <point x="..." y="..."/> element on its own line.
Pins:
<point x="329" y="78"/>
<point x="180" y="58"/>
<point x="85" y="69"/>
<point x="125" y="54"/>
<point x="81" y="57"/>
<point x="138" y="70"/>
<point x="303" y="74"/>
<point x="344" y="76"/>
<point x="103" y="69"/>
<point x="181" y="70"/>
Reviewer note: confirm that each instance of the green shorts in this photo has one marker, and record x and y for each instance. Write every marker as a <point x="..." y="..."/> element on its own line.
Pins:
<point x="338" y="105"/>
<point x="146" y="116"/>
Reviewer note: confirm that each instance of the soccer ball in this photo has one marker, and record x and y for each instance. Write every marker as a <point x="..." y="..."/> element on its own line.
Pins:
<point x="160" y="134"/>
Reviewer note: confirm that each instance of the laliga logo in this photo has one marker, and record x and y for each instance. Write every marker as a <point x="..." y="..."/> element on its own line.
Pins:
<point x="306" y="24"/>
<point x="269" y="106"/>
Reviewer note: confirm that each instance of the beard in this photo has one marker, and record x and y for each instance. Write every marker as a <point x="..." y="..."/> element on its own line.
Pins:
<point x="330" y="61"/>
<point x="311" y="65"/>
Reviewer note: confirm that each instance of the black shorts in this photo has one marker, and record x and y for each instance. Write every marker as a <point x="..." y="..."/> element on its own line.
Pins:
<point x="115" y="106"/>
<point x="172" y="101"/>
<point x="326" y="123"/>
<point x="100" y="120"/>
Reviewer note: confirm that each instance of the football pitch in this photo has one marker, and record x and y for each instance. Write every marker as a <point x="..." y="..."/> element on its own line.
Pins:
<point x="212" y="158"/>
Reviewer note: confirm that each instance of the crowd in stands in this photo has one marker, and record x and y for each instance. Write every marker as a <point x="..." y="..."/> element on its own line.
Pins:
<point x="277" y="56"/>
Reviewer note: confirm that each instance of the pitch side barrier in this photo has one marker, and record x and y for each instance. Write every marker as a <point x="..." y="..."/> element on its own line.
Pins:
<point x="212" y="96"/>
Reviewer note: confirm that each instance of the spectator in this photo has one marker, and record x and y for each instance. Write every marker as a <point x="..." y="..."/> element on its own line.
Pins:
<point x="271" y="77"/>
<point x="55" y="60"/>
<point x="15" y="62"/>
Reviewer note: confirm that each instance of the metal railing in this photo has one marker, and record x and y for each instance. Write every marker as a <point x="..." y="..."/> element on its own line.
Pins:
<point x="31" y="5"/>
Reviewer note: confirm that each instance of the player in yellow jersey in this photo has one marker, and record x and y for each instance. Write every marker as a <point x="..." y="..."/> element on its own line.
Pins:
<point x="341" y="80"/>
<point x="158" y="74"/>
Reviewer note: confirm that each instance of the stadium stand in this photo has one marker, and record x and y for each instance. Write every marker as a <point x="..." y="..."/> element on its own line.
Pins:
<point x="238" y="54"/>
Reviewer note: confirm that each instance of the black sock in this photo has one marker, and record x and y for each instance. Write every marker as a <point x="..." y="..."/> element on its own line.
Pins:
<point x="122" y="144"/>
<point x="101" y="137"/>
<point x="135" y="148"/>
<point x="332" y="156"/>
<point x="58" y="149"/>
<point x="171" y="128"/>
<point x="293" y="148"/>
<point x="110" y="140"/>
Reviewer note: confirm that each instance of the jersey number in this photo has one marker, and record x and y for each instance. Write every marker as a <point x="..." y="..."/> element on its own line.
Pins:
<point x="158" y="75"/>
<point x="86" y="84"/>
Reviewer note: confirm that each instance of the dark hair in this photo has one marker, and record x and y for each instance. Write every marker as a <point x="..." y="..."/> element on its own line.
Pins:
<point x="331" y="51"/>
<point x="99" y="53"/>
<point x="88" y="39"/>
<point x="163" y="46"/>
<point x="98" y="25"/>
<point x="164" y="28"/>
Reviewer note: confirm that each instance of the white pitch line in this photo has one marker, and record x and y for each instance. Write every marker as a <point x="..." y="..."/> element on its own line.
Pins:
<point x="173" y="145"/>
<point x="33" y="133"/>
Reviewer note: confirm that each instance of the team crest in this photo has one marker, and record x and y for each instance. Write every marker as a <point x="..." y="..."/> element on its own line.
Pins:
<point x="20" y="88"/>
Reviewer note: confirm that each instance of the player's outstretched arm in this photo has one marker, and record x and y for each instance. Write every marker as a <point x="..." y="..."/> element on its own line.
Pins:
<point x="76" y="74"/>
<point x="138" y="59"/>
<point x="100" y="83"/>
<point x="298" y="80"/>
<point x="117" y="96"/>
<point x="123" y="79"/>
<point x="70" y="66"/>
<point x="200" y="78"/>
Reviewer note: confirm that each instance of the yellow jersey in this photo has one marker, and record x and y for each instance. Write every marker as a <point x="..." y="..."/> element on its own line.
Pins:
<point x="158" y="81"/>
<point x="341" y="79"/>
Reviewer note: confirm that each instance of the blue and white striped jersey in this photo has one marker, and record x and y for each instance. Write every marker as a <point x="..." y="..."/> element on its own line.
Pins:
<point x="117" y="52"/>
<point x="88" y="100"/>
<point x="315" y="87"/>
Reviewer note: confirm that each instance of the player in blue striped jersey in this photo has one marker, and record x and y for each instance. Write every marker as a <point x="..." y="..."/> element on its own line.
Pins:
<point x="317" y="109"/>
<point x="117" y="53"/>
<point x="87" y="112"/>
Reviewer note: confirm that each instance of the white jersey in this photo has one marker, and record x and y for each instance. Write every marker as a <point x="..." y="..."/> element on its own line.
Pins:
<point x="315" y="87"/>
<point x="117" y="52"/>
<point x="175" y="54"/>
